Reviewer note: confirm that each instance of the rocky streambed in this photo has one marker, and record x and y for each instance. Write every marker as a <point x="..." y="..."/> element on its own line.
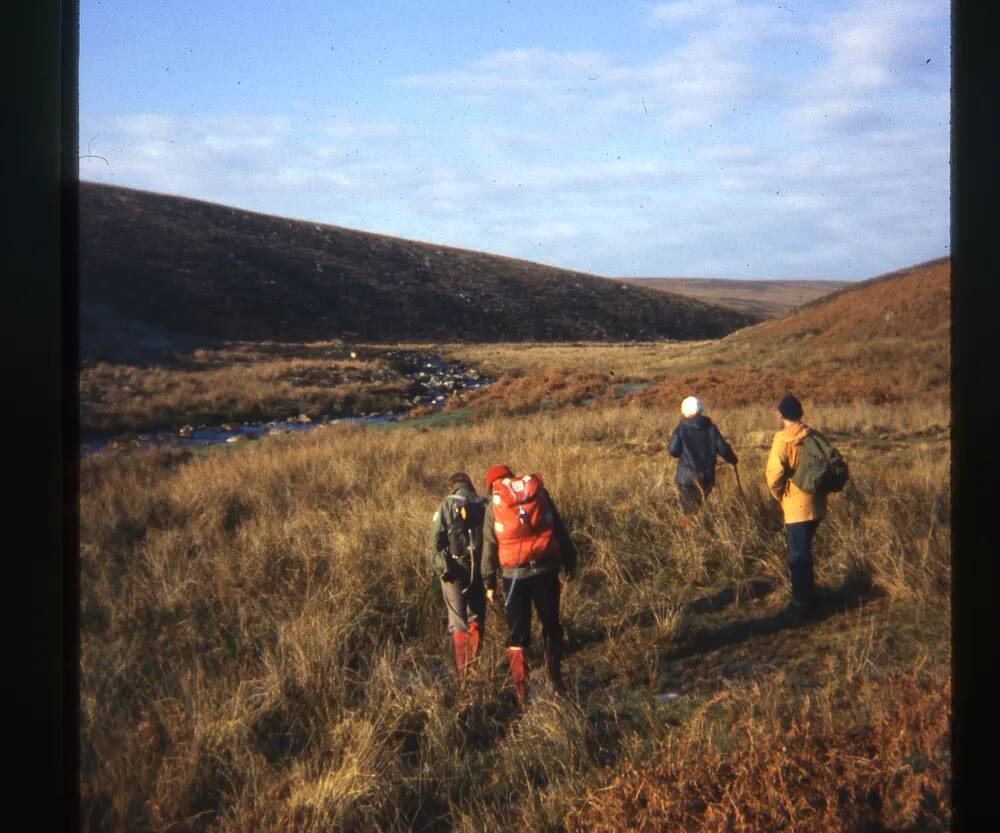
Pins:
<point x="432" y="381"/>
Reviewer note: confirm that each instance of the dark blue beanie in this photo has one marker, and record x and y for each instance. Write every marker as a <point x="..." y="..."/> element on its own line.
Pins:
<point x="790" y="408"/>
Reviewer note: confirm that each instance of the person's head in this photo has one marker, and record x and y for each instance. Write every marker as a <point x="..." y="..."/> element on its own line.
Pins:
<point x="458" y="480"/>
<point x="789" y="410"/>
<point x="691" y="407"/>
<point x="496" y="473"/>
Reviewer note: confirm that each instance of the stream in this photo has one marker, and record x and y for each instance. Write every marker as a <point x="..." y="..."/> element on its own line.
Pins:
<point x="433" y="381"/>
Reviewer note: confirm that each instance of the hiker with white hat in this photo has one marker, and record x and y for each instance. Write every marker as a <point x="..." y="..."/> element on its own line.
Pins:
<point x="696" y="443"/>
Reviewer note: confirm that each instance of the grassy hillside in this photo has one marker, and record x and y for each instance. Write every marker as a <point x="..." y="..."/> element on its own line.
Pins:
<point x="159" y="271"/>
<point x="767" y="299"/>
<point x="883" y="340"/>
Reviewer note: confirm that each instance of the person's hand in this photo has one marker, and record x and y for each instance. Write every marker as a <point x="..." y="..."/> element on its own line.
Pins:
<point x="489" y="595"/>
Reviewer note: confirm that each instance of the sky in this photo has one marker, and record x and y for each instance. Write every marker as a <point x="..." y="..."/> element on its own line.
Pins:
<point x="693" y="138"/>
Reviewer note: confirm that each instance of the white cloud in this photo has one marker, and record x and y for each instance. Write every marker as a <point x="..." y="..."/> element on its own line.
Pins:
<point x="685" y="11"/>
<point x="346" y="127"/>
<point x="686" y="87"/>
<point x="515" y="71"/>
<point x="142" y="125"/>
<point x="227" y="144"/>
<point x="726" y="154"/>
<point x="877" y="70"/>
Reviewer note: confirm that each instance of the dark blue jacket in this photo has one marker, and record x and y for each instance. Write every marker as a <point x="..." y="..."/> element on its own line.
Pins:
<point x="696" y="442"/>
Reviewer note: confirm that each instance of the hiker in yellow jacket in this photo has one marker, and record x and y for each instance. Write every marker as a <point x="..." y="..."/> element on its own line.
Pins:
<point x="802" y="511"/>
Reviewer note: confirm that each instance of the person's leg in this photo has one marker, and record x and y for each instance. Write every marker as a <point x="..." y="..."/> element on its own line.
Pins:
<point x="475" y="600"/>
<point x="546" y="596"/>
<point x="518" y="607"/>
<point x="458" y="626"/>
<point x="690" y="501"/>
<point x="800" y="563"/>
<point x="454" y="602"/>
<point x="689" y="498"/>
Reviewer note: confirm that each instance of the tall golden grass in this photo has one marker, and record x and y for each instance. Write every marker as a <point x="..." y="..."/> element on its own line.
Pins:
<point x="263" y="646"/>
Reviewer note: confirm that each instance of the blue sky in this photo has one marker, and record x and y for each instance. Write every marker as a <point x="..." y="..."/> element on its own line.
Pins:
<point x="703" y="138"/>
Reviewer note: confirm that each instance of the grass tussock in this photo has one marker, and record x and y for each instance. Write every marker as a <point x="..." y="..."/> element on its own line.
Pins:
<point x="262" y="646"/>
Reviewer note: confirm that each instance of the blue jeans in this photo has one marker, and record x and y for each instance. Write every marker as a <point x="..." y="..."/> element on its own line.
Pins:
<point x="800" y="560"/>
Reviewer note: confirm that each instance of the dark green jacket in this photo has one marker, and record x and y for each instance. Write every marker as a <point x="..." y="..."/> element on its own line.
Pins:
<point x="438" y="552"/>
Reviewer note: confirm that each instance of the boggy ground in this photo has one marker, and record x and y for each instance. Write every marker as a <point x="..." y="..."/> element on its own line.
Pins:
<point x="262" y="646"/>
<point x="244" y="382"/>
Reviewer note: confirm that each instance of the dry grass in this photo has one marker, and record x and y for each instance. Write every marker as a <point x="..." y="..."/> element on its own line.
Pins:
<point x="886" y="340"/>
<point x="797" y="769"/>
<point x="240" y="382"/>
<point x="262" y="647"/>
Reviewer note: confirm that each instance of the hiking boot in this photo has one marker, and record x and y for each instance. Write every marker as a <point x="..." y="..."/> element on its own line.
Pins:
<point x="461" y="641"/>
<point x="518" y="673"/>
<point x="475" y="634"/>
<point x="553" y="666"/>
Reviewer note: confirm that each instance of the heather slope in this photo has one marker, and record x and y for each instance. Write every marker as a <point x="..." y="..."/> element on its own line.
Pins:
<point x="158" y="271"/>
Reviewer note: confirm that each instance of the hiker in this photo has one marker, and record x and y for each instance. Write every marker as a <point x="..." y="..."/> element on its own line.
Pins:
<point x="696" y="443"/>
<point x="800" y="474"/>
<point x="523" y="532"/>
<point x="455" y="551"/>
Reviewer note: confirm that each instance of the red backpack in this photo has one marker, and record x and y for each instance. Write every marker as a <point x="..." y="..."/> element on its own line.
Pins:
<point x="523" y="521"/>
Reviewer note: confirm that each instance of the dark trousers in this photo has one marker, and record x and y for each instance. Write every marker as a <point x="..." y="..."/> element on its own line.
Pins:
<point x="540" y="591"/>
<point x="800" y="560"/>
<point x="692" y="497"/>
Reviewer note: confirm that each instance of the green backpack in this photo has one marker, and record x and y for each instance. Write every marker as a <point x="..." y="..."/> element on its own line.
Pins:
<point x="821" y="469"/>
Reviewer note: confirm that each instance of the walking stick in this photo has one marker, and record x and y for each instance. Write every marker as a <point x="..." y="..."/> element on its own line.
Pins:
<point x="739" y="485"/>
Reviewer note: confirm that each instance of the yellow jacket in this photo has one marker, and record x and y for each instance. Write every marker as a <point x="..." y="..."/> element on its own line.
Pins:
<point x="796" y="505"/>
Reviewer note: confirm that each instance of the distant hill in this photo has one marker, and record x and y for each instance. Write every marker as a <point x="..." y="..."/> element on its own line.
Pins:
<point x="912" y="304"/>
<point x="161" y="271"/>
<point x="767" y="299"/>
<point x="884" y="339"/>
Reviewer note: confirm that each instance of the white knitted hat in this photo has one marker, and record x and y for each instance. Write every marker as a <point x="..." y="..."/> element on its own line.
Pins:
<point x="691" y="406"/>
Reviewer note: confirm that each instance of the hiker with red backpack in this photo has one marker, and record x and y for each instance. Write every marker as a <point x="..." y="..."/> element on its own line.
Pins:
<point x="696" y="443"/>
<point x="802" y="469"/>
<point x="455" y="547"/>
<point x="526" y="540"/>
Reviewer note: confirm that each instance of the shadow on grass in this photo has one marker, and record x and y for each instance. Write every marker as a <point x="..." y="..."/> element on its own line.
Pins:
<point x="855" y="591"/>
<point x="578" y="638"/>
<point x="717" y="601"/>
